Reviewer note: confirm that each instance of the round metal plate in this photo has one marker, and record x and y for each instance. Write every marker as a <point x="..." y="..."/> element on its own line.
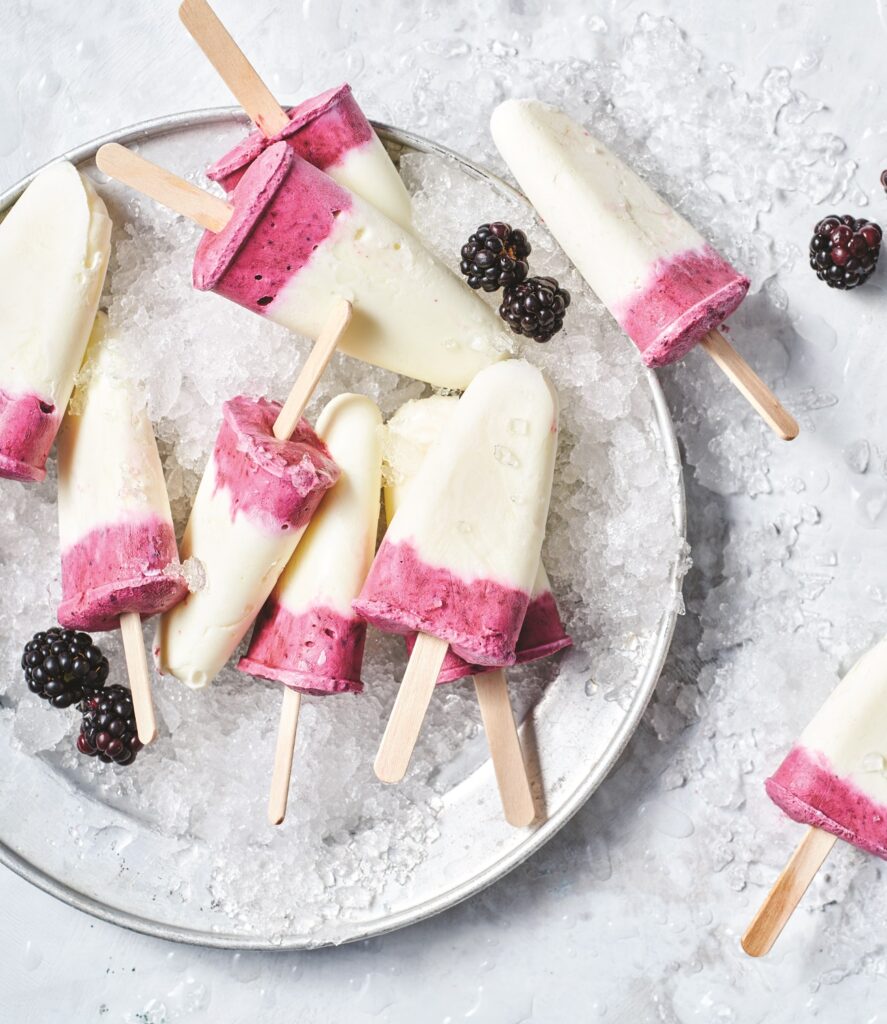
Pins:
<point x="447" y="877"/>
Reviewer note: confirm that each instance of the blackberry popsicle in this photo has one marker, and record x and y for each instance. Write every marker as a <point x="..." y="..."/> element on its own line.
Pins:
<point x="459" y="561"/>
<point x="410" y="434"/>
<point x="330" y="131"/>
<point x="54" y="248"/>
<point x="666" y="287"/>
<point x="307" y="635"/>
<point x="265" y="478"/>
<point x="119" y="558"/>
<point x="290" y="240"/>
<point x="833" y="780"/>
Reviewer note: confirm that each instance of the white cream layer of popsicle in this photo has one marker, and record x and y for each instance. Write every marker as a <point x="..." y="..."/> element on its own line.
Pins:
<point x="334" y="556"/>
<point x="577" y="183"/>
<point x="54" y="248"/>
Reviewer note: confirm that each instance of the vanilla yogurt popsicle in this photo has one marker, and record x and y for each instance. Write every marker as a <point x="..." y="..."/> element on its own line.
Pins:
<point x="834" y="780"/>
<point x="308" y="636"/>
<point x="118" y="544"/>
<point x="664" y="284"/>
<point x="409" y="435"/>
<point x="54" y="247"/>
<point x="835" y="776"/>
<point x="253" y="504"/>
<point x="296" y="238"/>
<point x="331" y="132"/>
<point x="460" y="558"/>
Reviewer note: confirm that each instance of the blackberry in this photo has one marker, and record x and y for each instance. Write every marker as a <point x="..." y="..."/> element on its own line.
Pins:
<point x="108" y="729"/>
<point x="844" y="251"/>
<point x="62" y="666"/>
<point x="495" y="257"/>
<point x="535" y="308"/>
<point x="884" y="180"/>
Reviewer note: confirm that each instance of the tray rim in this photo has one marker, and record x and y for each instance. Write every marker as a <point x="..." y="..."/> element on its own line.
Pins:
<point x="10" y="858"/>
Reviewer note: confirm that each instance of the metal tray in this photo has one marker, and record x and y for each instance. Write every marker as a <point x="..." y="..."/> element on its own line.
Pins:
<point x="565" y="731"/>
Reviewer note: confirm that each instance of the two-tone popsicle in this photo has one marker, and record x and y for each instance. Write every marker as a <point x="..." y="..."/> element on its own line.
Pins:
<point x="329" y="130"/>
<point x="118" y="544"/>
<point x="459" y="560"/>
<point x="834" y="780"/>
<point x="54" y="248"/>
<point x="254" y="502"/>
<point x="291" y="240"/>
<point x="308" y="636"/>
<point x="409" y="435"/>
<point x="666" y="286"/>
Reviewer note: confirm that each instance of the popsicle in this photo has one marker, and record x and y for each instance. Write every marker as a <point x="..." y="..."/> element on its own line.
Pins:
<point x="118" y="544"/>
<point x="54" y="247"/>
<point x="329" y="130"/>
<point x="409" y="434"/>
<point x="265" y="478"/>
<point x="834" y="779"/>
<point x="307" y="636"/>
<point x="666" y="286"/>
<point x="459" y="560"/>
<point x="294" y="238"/>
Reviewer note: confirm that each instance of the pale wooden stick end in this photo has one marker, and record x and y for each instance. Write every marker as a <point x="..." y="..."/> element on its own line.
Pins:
<point x="309" y="377"/>
<point x="231" y="63"/>
<point x="750" y="385"/>
<point x="283" y="756"/>
<point x="163" y="186"/>
<point x="505" y="749"/>
<point x="787" y="891"/>
<point x="139" y="676"/>
<point x="409" y="709"/>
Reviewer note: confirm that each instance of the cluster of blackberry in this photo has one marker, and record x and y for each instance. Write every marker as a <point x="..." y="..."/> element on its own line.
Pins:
<point x="65" y="667"/>
<point x="495" y="257"/>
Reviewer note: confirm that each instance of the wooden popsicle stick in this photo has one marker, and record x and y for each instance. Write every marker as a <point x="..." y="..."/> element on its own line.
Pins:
<point x="787" y="891"/>
<point x="139" y="677"/>
<point x="755" y="391"/>
<point x="286" y="422"/>
<point x="163" y="186"/>
<point x="312" y="371"/>
<point x="505" y="749"/>
<point x="409" y="709"/>
<point x="283" y="755"/>
<point x="231" y="63"/>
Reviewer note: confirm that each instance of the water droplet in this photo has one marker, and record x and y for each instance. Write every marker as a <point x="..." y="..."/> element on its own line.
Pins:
<point x="873" y="762"/>
<point x="505" y="455"/>
<point x="33" y="958"/>
<point x="519" y="427"/>
<point x="49" y="85"/>
<point x="463" y="527"/>
<point x="857" y="455"/>
<point x="871" y="505"/>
